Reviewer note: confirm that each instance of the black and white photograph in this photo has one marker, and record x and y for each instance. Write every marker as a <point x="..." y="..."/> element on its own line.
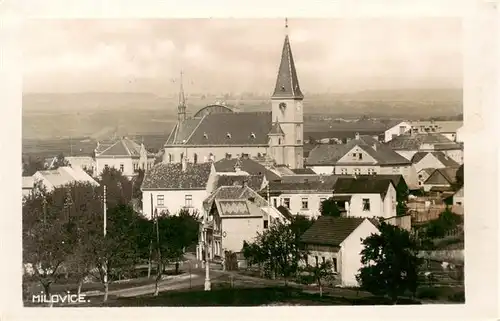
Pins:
<point x="243" y="162"/>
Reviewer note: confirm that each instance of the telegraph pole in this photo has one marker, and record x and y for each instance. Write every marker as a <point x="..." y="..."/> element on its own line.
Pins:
<point x="207" y="264"/>
<point x="104" y="233"/>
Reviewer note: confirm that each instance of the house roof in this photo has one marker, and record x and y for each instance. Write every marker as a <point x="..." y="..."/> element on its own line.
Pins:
<point x="324" y="184"/>
<point x="414" y="142"/>
<point x="361" y="185"/>
<point x="300" y="171"/>
<point x="328" y="230"/>
<point x="66" y="175"/>
<point x="234" y="193"/>
<point x="448" y="173"/>
<point x="237" y="207"/>
<point x="287" y="82"/>
<point x="171" y="176"/>
<point x="121" y="147"/>
<point x="28" y="182"/>
<point x="276" y="129"/>
<point x="443" y="126"/>
<point x="248" y="165"/>
<point x="330" y="154"/>
<point x="255" y="182"/>
<point x="440" y="156"/>
<point x="227" y="129"/>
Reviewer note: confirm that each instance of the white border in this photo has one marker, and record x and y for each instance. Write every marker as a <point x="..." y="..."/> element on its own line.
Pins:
<point x="481" y="69"/>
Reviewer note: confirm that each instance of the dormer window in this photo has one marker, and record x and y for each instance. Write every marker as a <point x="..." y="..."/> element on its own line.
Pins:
<point x="228" y="135"/>
<point x="252" y="135"/>
<point x="205" y="135"/>
<point x="282" y="87"/>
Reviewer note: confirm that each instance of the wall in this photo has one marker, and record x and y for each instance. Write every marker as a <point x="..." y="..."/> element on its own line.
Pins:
<point x="204" y="152"/>
<point x="456" y="154"/>
<point x="350" y="252"/>
<point x="395" y="131"/>
<point x="296" y="203"/>
<point x="389" y="202"/>
<point x="326" y="170"/>
<point x="450" y="136"/>
<point x="238" y="230"/>
<point x="429" y="161"/>
<point x="328" y="254"/>
<point x="128" y="167"/>
<point x="356" y="205"/>
<point x="403" y="222"/>
<point x="174" y="200"/>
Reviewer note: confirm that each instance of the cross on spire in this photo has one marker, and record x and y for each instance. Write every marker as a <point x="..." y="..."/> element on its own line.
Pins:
<point x="286" y="23"/>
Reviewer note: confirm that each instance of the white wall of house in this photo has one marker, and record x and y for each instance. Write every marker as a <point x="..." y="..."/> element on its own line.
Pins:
<point x="330" y="255"/>
<point x="203" y="154"/>
<point x="378" y="206"/>
<point x="313" y="202"/>
<point x="238" y="230"/>
<point x="456" y="154"/>
<point x="459" y="137"/>
<point x="350" y="251"/>
<point x="325" y="170"/>
<point x="130" y="165"/>
<point x="450" y="136"/>
<point x="396" y="130"/>
<point x="458" y="198"/>
<point x="408" y="154"/>
<point x="429" y="161"/>
<point x="173" y="200"/>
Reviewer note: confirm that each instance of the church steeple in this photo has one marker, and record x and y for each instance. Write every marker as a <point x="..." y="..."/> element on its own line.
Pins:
<point x="181" y="108"/>
<point x="287" y="82"/>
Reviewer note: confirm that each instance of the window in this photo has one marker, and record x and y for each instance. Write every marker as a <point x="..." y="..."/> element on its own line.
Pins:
<point x="170" y="158"/>
<point x="160" y="200"/>
<point x="357" y="171"/>
<point x="106" y="167"/>
<point x="228" y="156"/>
<point x="395" y="169"/>
<point x="343" y="171"/>
<point x="334" y="264"/>
<point x="275" y="202"/>
<point x="366" y="204"/>
<point x="122" y="167"/>
<point x="305" y="203"/>
<point x="286" y="202"/>
<point x="279" y="141"/>
<point x="401" y="130"/>
<point x="306" y="258"/>
<point x="195" y="158"/>
<point x="323" y="259"/>
<point x="188" y="200"/>
<point x="371" y="171"/>
<point x="182" y="157"/>
<point x="316" y="258"/>
<point x="360" y="156"/>
<point x="266" y="224"/>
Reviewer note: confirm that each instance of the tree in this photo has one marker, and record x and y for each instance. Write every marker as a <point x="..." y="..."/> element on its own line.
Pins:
<point x="32" y="165"/>
<point x="390" y="262"/>
<point x="446" y="222"/>
<point x="119" y="189"/>
<point x="322" y="273"/>
<point x="402" y="193"/>
<point x="60" y="162"/>
<point x="329" y="208"/>
<point x="459" y="177"/>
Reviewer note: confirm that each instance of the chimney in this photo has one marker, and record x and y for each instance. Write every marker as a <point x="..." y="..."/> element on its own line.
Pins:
<point x="356" y="136"/>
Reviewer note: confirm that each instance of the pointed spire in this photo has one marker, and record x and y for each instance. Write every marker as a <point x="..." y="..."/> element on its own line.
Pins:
<point x="287" y="82"/>
<point x="181" y="109"/>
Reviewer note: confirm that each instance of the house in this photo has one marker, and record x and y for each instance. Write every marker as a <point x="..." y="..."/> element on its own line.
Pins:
<point x="395" y="129"/>
<point x="28" y="184"/>
<point x="169" y="188"/>
<point x="55" y="178"/>
<point x="423" y="160"/>
<point x="301" y="195"/>
<point x="366" y="196"/>
<point x="409" y="144"/>
<point x="244" y="166"/>
<point x="441" y="180"/>
<point x="255" y="182"/>
<point x="423" y="175"/>
<point x="448" y="129"/>
<point x="339" y="240"/>
<point x="86" y="163"/>
<point x="362" y="155"/>
<point x="235" y="214"/>
<point x="458" y="197"/>
<point x="124" y="155"/>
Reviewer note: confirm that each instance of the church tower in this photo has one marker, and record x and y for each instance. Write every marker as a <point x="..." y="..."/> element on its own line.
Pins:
<point x="287" y="109"/>
<point x="181" y="108"/>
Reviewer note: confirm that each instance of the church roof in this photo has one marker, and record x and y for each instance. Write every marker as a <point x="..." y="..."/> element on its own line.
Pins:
<point x="226" y="129"/>
<point x="276" y="129"/>
<point x="287" y="82"/>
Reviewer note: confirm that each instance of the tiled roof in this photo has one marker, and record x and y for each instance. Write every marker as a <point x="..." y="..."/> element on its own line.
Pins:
<point x="287" y="82"/>
<point x="250" y="166"/>
<point x="303" y="171"/>
<point x="413" y="142"/>
<point x="330" y="154"/>
<point x="121" y="147"/>
<point x="66" y="175"/>
<point x="443" y="158"/>
<point x="237" y="208"/>
<point x="325" y="185"/>
<point x="229" y="129"/>
<point x="234" y="193"/>
<point x="171" y="176"/>
<point x="444" y="126"/>
<point x="328" y="230"/>
<point x="448" y="173"/>
<point x="361" y="185"/>
<point x="255" y="182"/>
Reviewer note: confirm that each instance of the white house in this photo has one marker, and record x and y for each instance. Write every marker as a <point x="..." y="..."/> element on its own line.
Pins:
<point x="396" y="129"/>
<point x="124" y="155"/>
<point x="423" y="160"/>
<point x="339" y="240"/>
<point x="28" y="184"/>
<point x="459" y="197"/>
<point x="447" y="128"/>
<point x="368" y="197"/>
<point x="360" y="156"/>
<point x="55" y="178"/>
<point x="171" y="187"/>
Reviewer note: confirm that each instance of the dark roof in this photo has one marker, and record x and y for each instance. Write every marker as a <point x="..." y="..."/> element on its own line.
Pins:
<point x="413" y="142"/>
<point x="234" y="193"/>
<point x="287" y="82"/>
<point x="442" y="175"/>
<point x="248" y="165"/>
<point x="285" y="212"/>
<point x="442" y="157"/>
<point x="171" y="176"/>
<point x="121" y="147"/>
<point x="361" y="185"/>
<point x="330" y="154"/>
<point x="328" y="230"/>
<point x="242" y="129"/>
<point x="253" y="181"/>
<point x="303" y="171"/>
<point x="324" y="184"/>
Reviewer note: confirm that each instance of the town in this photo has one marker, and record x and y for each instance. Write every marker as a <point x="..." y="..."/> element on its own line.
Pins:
<point x="246" y="208"/>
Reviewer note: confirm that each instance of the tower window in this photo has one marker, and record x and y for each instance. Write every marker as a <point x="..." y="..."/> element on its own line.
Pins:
<point x="205" y="135"/>
<point x="252" y="135"/>
<point x="228" y="135"/>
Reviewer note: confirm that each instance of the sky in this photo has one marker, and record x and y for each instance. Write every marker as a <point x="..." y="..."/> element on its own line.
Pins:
<point x="240" y="55"/>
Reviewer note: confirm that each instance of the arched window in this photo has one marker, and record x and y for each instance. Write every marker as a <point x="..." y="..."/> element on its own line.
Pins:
<point x="170" y="158"/>
<point x="182" y="157"/>
<point x="195" y="158"/>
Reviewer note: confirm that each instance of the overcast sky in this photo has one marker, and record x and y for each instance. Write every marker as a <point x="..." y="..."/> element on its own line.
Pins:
<point x="235" y="55"/>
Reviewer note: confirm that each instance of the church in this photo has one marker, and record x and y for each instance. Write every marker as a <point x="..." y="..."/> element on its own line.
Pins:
<point x="217" y="131"/>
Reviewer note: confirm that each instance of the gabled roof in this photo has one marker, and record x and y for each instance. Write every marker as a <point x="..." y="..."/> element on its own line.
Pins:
<point x="65" y="175"/>
<point x="448" y="174"/>
<point x="361" y="185"/>
<point x="172" y="177"/>
<point x="237" y="207"/>
<point x="323" y="185"/>
<point x="248" y="165"/>
<point x="287" y="82"/>
<point x="227" y="129"/>
<point x="414" y="142"/>
<point x="234" y="193"/>
<point x="121" y="147"/>
<point x="326" y="154"/>
<point x="440" y="156"/>
<point x="300" y="171"/>
<point x="328" y="230"/>
<point x="255" y="182"/>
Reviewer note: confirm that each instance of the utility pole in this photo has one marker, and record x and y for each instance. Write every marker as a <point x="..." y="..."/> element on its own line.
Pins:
<point x="104" y="233"/>
<point x="207" y="264"/>
<point x="159" y="267"/>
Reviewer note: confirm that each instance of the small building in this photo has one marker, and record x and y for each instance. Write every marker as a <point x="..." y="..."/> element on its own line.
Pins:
<point x="423" y="160"/>
<point x="170" y="188"/>
<point x="339" y="240"/>
<point x="366" y="197"/>
<point x="86" y="163"/>
<point x="124" y="155"/>
<point x="244" y="166"/>
<point x="441" y="180"/>
<point x="56" y="178"/>
<point x="458" y="197"/>
<point x="446" y="128"/>
<point x="395" y="129"/>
